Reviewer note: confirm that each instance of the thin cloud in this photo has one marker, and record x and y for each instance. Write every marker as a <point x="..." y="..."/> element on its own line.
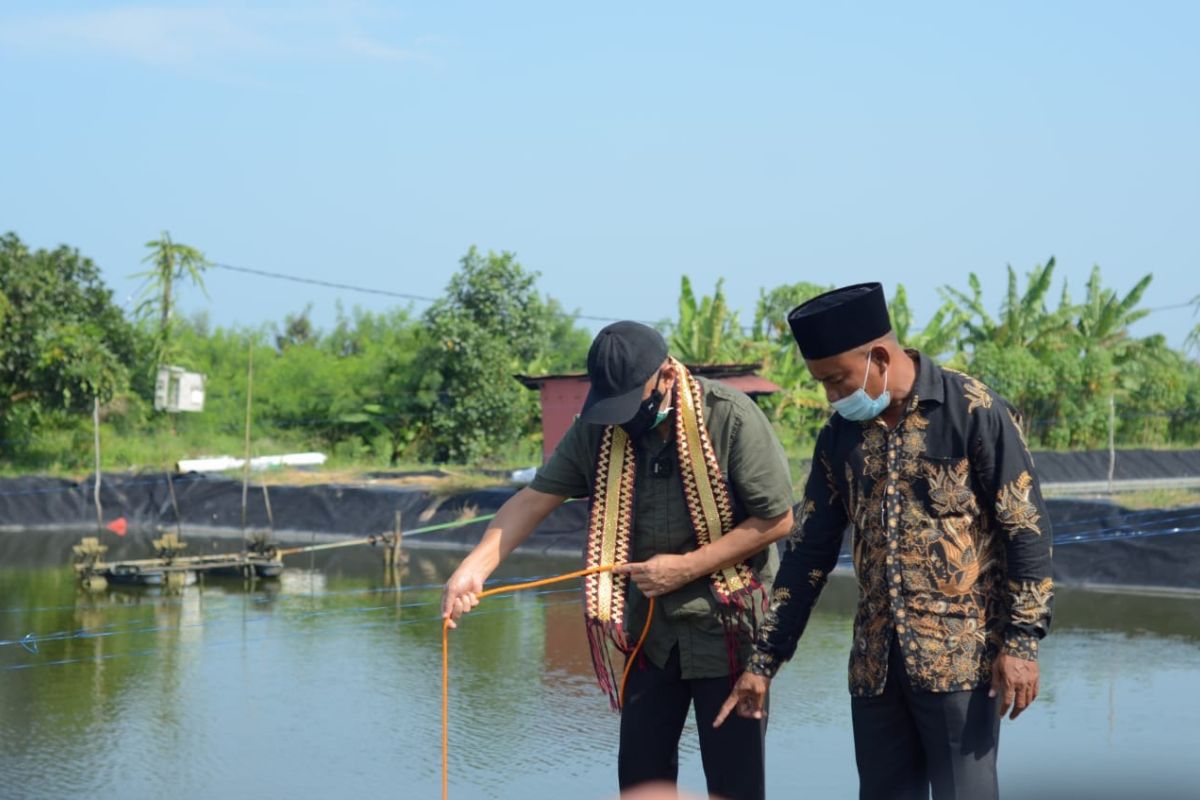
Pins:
<point x="188" y="37"/>
<point x="361" y="45"/>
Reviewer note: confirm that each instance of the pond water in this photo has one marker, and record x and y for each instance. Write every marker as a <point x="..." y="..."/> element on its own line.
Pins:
<point x="326" y="683"/>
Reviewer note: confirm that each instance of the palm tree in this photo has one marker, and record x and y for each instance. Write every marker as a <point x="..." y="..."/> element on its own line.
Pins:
<point x="171" y="262"/>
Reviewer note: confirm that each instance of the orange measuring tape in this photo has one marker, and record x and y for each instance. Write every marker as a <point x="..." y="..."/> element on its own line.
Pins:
<point x="515" y="587"/>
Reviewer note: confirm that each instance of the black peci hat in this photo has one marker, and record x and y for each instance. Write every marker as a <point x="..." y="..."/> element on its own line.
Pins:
<point x="839" y="321"/>
<point x="622" y="358"/>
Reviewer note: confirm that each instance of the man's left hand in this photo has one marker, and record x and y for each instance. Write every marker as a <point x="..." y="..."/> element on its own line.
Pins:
<point x="1015" y="682"/>
<point x="660" y="575"/>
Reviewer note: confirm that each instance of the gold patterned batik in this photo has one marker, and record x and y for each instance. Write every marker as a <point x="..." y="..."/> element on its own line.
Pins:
<point x="1014" y="509"/>
<point x="947" y="547"/>
<point x="977" y="395"/>
<point x="796" y="536"/>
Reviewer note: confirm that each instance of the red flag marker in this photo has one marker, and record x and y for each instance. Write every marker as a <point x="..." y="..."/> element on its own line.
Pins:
<point x="118" y="526"/>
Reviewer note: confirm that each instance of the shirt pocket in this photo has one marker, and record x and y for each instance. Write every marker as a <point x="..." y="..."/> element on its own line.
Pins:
<point x="955" y="564"/>
<point x="946" y="487"/>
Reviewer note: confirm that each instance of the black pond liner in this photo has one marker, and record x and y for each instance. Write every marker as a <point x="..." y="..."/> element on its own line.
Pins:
<point x="1096" y="542"/>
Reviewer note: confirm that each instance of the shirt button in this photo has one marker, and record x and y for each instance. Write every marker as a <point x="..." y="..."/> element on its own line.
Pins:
<point x="896" y="578"/>
<point x="893" y="592"/>
<point x="891" y="490"/>
<point x="894" y="475"/>
<point x="900" y="613"/>
<point x="899" y="629"/>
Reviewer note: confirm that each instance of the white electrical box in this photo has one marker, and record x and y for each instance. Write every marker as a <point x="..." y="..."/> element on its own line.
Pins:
<point x="176" y="389"/>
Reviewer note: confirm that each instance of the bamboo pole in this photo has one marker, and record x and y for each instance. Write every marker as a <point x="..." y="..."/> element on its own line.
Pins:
<point x="270" y="516"/>
<point x="246" y="465"/>
<point x="174" y="504"/>
<point x="96" y="439"/>
<point x="397" y="538"/>
<point x="1112" y="438"/>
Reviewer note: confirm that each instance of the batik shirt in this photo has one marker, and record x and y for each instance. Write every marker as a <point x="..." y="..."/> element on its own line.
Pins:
<point x="951" y="540"/>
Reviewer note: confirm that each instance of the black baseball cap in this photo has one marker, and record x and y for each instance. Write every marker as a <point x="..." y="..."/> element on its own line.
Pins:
<point x="622" y="358"/>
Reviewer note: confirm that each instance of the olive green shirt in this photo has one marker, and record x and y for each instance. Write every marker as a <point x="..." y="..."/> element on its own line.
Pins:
<point x="756" y="469"/>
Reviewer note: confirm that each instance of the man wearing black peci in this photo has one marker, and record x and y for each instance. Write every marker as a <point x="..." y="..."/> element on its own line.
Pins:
<point x="951" y="550"/>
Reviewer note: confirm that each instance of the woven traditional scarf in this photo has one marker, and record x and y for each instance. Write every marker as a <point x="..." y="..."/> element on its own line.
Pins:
<point x="611" y="522"/>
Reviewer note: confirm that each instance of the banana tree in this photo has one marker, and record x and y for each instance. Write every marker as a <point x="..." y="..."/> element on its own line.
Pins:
<point x="707" y="331"/>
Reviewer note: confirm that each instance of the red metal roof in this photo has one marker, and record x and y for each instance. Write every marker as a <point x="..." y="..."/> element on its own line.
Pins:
<point x="750" y="384"/>
<point x="562" y="395"/>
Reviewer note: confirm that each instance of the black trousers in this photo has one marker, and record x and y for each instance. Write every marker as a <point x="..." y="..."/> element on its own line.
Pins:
<point x="656" y="707"/>
<point x="906" y="741"/>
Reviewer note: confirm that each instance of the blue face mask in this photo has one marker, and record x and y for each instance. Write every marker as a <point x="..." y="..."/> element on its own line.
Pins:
<point x="859" y="407"/>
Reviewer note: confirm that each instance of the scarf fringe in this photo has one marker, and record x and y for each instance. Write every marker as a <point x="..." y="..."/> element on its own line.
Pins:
<point x="602" y="641"/>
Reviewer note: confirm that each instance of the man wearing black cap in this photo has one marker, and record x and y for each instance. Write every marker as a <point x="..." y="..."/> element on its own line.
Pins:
<point x="688" y="489"/>
<point x="951" y="549"/>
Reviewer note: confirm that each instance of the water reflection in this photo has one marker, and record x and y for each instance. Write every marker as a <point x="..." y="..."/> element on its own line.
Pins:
<point x="326" y="683"/>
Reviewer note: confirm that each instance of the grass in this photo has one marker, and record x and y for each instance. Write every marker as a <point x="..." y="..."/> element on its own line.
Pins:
<point x="1157" y="498"/>
<point x="69" y="454"/>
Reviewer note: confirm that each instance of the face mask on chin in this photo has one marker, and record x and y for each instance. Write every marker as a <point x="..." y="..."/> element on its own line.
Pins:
<point x="648" y="416"/>
<point x="860" y="407"/>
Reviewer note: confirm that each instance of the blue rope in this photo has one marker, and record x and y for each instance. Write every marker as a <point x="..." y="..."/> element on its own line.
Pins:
<point x="365" y="626"/>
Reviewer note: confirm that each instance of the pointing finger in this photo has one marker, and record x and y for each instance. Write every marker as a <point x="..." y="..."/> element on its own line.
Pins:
<point x="730" y="703"/>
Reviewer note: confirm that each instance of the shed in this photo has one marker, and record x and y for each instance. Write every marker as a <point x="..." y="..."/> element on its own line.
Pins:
<point x="562" y="395"/>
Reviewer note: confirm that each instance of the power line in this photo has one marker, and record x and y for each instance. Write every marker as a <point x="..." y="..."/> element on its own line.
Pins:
<point x="1193" y="303"/>
<point x="370" y="290"/>
<point x="327" y="284"/>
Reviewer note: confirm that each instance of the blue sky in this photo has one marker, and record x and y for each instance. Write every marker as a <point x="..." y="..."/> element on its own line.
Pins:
<point x="613" y="147"/>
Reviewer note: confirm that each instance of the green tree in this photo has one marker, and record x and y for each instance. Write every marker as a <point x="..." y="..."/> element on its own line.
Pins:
<point x="62" y="340"/>
<point x="297" y="329"/>
<point x="490" y="325"/>
<point x="770" y="313"/>
<point x="1063" y="367"/>
<point x="388" y="408"/>
<point x="799" y="409"/>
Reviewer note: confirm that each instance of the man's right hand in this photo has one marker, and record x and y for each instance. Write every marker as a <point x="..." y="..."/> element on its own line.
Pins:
<point x="461" y="594"/>
<point x="748" y="697"/>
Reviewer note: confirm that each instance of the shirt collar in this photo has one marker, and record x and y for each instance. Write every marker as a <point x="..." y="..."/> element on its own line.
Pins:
<point x="928" y="387"/>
